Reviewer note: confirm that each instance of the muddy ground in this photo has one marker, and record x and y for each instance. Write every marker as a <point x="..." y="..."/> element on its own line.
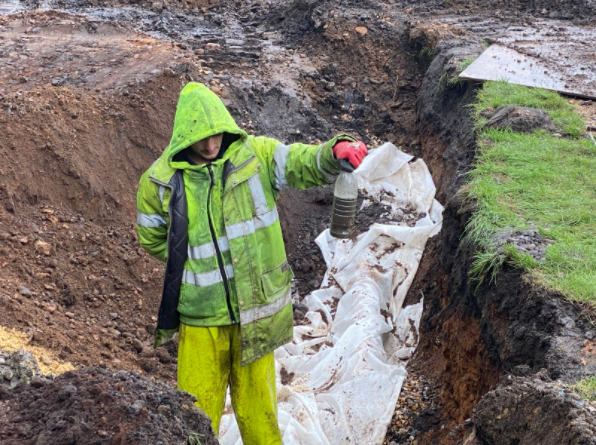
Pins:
<point x="87" y="99"/>
<point x="75" y="130"/>
<point x="99" y="406"/>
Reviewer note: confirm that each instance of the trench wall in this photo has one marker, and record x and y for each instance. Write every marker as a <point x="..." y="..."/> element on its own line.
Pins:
<point x="473" y="336"/>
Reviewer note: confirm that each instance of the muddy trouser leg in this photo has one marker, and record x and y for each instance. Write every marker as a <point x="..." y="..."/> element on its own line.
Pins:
<point x="204" y="365"/>
<point x="254" y="397"/>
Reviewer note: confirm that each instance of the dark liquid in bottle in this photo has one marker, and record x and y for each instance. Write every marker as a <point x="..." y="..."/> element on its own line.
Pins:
<point x="342" y="217"/>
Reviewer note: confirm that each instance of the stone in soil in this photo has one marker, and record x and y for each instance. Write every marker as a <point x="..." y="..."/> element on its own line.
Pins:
<point x="416" y="412"/>
<point x="16" y="367"/>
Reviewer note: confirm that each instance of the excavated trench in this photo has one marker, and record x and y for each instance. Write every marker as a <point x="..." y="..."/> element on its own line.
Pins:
<point x="492" y="364"/>
<point x="453" y="368"/>
<point x="299" y="71"/>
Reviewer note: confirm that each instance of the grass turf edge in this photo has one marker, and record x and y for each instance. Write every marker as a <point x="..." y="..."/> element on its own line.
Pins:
<point x="540" y="181"/>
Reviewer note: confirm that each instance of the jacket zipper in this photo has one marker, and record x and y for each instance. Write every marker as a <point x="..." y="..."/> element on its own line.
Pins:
<point x="217" y="251"/>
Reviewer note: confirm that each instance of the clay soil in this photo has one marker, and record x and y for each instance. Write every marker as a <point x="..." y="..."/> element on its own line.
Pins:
<point x="84" y="111"/>
<point x="87" y="100"/>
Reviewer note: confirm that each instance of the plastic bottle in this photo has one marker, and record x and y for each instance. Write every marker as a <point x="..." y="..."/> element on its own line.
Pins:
<point x="344" y="205"/>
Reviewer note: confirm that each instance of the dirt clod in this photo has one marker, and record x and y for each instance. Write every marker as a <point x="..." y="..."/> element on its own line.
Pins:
<point x="521" y="119"/>
<point x="526" y="241"/>
<point x="286" y="377"/>
<point x="547" y="414"/>
<point x="99" y="406"/>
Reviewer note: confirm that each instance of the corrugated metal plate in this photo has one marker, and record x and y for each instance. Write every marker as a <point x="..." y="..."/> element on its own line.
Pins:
<point x="502" y="63"/>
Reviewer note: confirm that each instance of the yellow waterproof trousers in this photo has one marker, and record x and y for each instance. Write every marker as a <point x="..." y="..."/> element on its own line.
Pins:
<point x="209" y="361"/>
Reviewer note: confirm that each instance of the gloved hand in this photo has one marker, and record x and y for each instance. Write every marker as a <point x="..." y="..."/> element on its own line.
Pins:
<point x="354" y="152"/>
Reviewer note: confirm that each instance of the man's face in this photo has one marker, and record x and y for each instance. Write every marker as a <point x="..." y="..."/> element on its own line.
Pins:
<point x="208" y="148"/>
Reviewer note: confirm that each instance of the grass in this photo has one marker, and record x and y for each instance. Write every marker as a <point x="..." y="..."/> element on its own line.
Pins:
<point x="426" y="51"/>
<point x="521" y="181"/>
<point x="193" y="439"/>
<point x="443" y="80"/>
<point x="586" y="388"/>
<point x="488" y="263"/>
<point x="454" y="80"/>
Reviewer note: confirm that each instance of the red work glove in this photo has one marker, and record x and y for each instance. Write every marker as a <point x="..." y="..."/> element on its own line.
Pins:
<point x="354" y="152"/>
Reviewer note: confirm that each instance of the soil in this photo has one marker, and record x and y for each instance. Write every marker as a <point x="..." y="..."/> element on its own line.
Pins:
<point x="587" y="109"/>
<point x="17" y="349"/>
<point x="77" y="136"/>
<point x="87" y="102"/>
<point x="375" y="98"/>
<point x="528" y="241"/>
<point x="548" y="414"/>
<point x="98" y="406"/>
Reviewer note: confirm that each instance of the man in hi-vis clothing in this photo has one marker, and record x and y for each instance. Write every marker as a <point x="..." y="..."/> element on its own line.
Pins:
<point x="206" y="208"/>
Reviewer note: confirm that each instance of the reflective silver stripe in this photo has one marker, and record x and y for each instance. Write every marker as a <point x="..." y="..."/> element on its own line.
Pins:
<point x="207" y="250"/>
<point x="162" y="190"/>
<point x="223" y="243"/>
<point x="240" y="229"/>
<point x="328" y="176"/>
<point x="201" y="252"/>
<point x="245" y="228"/>
<point x="258" y="194"/>
<point x="207" y="278"/>
<point x="257" y="313"/>
<point x="280" y="156"/>
<point x="145" y="220"/>
<point x="266" y="219"/>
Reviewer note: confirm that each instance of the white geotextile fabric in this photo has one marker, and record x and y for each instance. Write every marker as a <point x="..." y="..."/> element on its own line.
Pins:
<point x="349" y="365"/>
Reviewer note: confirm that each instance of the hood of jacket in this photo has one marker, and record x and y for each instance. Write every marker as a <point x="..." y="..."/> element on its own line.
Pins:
<point x="199" y="114"/>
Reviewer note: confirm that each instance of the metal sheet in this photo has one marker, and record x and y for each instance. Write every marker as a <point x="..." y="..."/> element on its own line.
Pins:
<point x="502" y="63"/>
